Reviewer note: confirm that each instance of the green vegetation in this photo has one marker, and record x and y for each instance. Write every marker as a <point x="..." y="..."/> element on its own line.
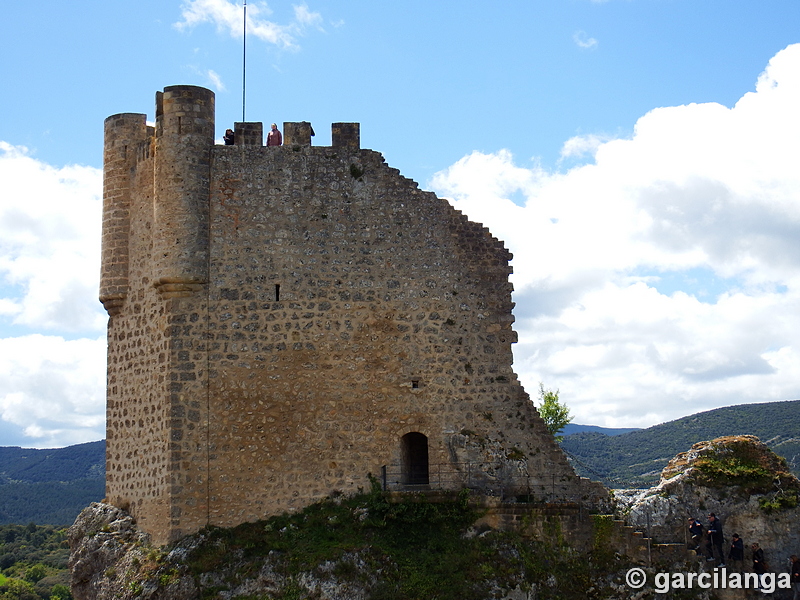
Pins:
<point x="399" y="549"/>
<point x="54" y="503"/>
<point x="33" y="563"/>
<point x="356" y="172"/>
<point x="635" y="459"/>
<point x="779" y="501"/>
<point x="50" y="486"/>
<point x="29" y="465"/>
<point x="601" y="544"/>
<point x="554" y="413"/>
<point x="738" y="464"/>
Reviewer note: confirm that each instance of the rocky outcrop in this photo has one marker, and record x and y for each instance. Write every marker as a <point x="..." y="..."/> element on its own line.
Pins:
<point x="111" y="559"/>
<point x="736" y="477"/>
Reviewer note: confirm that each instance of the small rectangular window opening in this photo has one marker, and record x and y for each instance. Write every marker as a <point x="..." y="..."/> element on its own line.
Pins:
<point x="415" y="384"/>
<point x="277" y="292"/>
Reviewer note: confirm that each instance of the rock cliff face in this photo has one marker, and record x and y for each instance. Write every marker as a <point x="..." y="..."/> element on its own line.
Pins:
<point x="112" y="560"/>
<point x="736" y="477"/>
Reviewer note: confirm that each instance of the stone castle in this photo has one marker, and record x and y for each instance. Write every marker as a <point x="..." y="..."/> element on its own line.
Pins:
<point x="287" y="321"/>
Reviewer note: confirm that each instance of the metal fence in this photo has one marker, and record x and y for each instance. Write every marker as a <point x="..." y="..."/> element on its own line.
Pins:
<point x="500" y="480"/>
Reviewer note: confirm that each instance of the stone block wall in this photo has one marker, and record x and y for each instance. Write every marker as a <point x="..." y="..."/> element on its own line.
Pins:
<point x="343" y="309"/>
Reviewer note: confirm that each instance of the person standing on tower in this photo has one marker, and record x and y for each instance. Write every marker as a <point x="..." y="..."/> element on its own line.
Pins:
<point x="274" y="136"/>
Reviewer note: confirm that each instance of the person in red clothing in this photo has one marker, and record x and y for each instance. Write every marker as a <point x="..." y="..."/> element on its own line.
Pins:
<point x="274" y="136"/>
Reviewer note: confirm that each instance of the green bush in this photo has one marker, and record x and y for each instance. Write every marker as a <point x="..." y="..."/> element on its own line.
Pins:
<point x="35" y="573"/>
<point x="60" y="592"/>
<point x="778" y="502"/>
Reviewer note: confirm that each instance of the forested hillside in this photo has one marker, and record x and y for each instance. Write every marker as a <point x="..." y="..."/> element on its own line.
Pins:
<point x="50" y="486"/>
<point x="33" y="563"/>
<point x="635" y="459"/>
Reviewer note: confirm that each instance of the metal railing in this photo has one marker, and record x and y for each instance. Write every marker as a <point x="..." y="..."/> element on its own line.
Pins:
<point x="499" y="480"/>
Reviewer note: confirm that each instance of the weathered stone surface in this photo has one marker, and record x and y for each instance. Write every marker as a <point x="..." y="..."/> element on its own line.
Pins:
<point x="286" y="315"/>
<point x="109" y="558"/>
<point x="685" y="491"/>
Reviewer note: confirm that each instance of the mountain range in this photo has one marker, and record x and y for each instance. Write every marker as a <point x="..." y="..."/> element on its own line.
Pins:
<point x="52" y="486"/>
<point x="635" y="459"/>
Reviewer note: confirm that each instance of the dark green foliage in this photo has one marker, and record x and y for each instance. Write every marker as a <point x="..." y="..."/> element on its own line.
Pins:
<point x="779" y="501"/>
<point x="635" y="459"/>
<point x="415" y="548"/>
<point x="35" y="573"/>
<point x="16" y="589"/>
<point x="29" y="465"/>
<point x="356" y="172"/>
<point x="53" y="503"/>
<point x="34" y="562"/>
<point x="50" y="486"/>
<point x="60" y="592"/>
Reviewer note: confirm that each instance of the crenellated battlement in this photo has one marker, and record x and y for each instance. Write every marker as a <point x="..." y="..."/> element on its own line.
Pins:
<point x="180" y="144"/>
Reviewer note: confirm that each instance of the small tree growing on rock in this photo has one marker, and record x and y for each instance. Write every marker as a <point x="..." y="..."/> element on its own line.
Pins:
<point x="554" y="412"/>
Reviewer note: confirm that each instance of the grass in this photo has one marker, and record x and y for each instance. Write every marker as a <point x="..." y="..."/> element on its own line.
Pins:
<point x="398" y="550"/>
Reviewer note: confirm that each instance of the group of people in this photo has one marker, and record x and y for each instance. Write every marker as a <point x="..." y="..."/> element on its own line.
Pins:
<point x="274" y="137"/>
<point x="712" y="540"/>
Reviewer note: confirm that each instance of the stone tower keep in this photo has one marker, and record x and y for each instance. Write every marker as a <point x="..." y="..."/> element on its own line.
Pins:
<point x="285" y="321"/>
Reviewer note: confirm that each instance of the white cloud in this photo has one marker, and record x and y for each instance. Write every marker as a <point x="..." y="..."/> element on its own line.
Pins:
<point x="307" y="18"/>
<point x="583" y="145"/>
<point x="49" y="243"/>
<point x="584" y="41"/>
<point x="700" y="188"/>
<point x="228" y="18"/>
<point x="53" y="389"/>
<point x="215" y="80"/>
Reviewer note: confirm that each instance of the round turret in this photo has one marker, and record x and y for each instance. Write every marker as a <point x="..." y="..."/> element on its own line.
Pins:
<point x="123" y="135"/>
<point x="184" y="137"/>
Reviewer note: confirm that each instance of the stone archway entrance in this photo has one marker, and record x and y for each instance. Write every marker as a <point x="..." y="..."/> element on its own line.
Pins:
<point x="415" y="458"/>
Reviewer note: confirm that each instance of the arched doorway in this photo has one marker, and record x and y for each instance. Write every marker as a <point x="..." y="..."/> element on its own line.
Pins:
<point x="415" y="458"/>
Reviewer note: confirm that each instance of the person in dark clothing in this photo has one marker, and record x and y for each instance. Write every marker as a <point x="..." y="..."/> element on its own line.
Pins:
<point x="715" y="539"/>
<point x="759" y="566"/>
<point x="795" y="576"/>
<point x="736" y="553"/>
<point x="696" y="533"/>
<point x="228" y="137"/>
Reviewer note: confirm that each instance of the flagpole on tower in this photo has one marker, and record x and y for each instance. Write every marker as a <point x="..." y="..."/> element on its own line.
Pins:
<point x="244" y="57"/>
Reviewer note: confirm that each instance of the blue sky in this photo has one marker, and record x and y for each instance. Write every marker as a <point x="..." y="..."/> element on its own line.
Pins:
<point x="637" y="156"/>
